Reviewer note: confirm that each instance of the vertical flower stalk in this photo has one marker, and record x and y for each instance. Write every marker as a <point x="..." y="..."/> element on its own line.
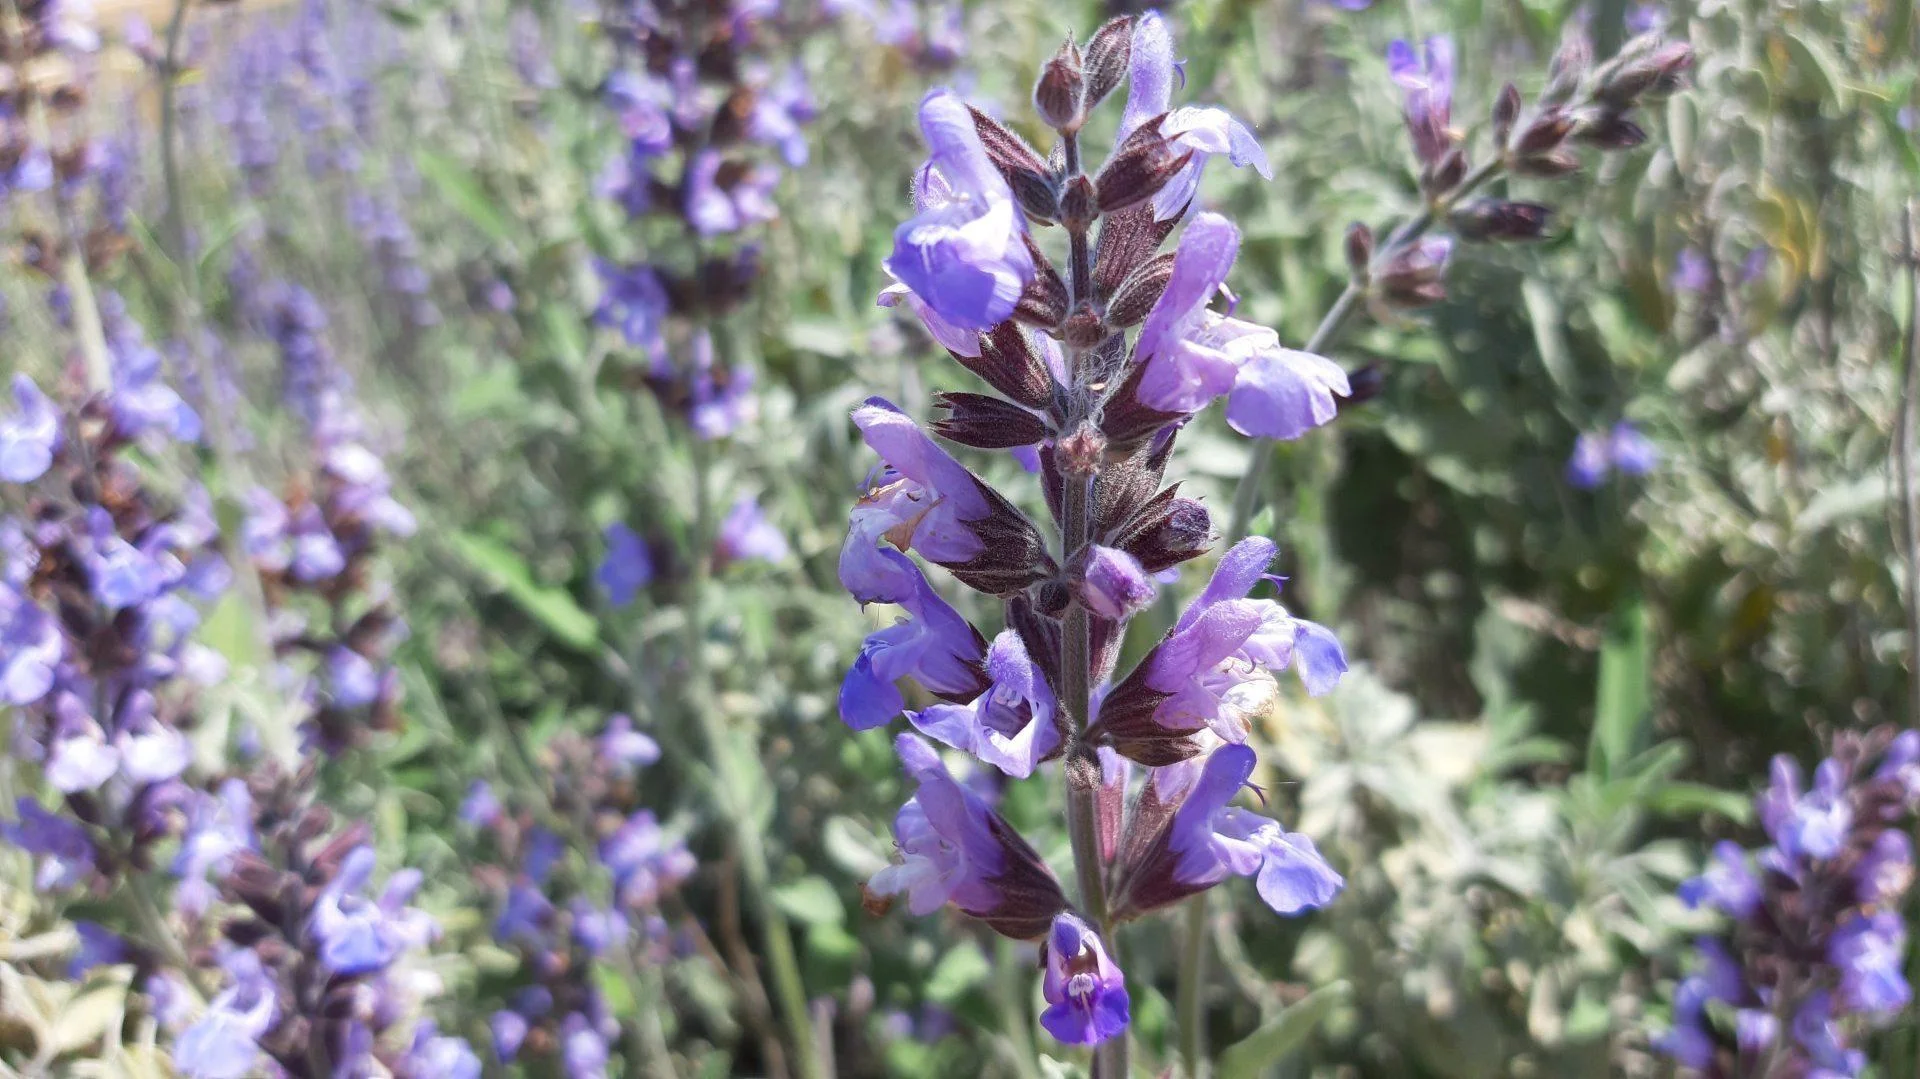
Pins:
<point x="1814" y="948"/>
<point x="707" y="115"/>
<point x="1582" y="105"/>
<point x="1095" y="369"/>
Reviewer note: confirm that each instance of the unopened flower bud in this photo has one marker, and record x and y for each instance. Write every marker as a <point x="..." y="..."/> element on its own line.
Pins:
<point x="1568" y="67"/>
<point x="1043" y="302"/>
<point x="1359" y="248"/>
<point x="1079" y="204"/>
<point x="1545" y="133"/>
<point x="1138" y="172"/>
<point x="1499" y="219"/>
<point x="1415" y="275"/>
<point x="1547" y="166"/>
<point x="1058" y="94"/>
<point x="1506" y="110"/>
<point x="1368" y="382"/>
<point x="1108" y="54"/>
<point x="1444" y="175"/>
<point x="1139" y="292"/>
<point x="1079" y="453"/>
<point x="1111" y="583"/>
<point x="1611" y="131"/>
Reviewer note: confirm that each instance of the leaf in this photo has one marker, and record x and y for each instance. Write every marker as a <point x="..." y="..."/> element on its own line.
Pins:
<point x="1687" y="801"/>
<point x="459" y="187"/>
<point x="1280" y="1035"/>
<point x="853" y="847"/>
<point x="1843" y="501"/>
<point x="1544" y="312"/>
<point x="1624" y="696"/>
<point x="810" y="901"/>
<point x="963" y="967"/>
<point x="1815" y="63"/>
<point x="88" y="1018"/>
<point x="553" y="608"/>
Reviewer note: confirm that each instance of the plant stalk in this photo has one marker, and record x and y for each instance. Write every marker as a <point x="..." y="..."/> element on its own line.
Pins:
<point x="788" y="988"/>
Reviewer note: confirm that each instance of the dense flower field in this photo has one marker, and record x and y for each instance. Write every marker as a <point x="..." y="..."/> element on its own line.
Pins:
<point x="672" y="538"/>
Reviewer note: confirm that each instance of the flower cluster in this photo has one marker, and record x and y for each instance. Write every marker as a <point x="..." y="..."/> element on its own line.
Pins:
<point x="706" y="119"/>
<point x="1097" y="408"/>
<point x="1582" y="105"/>
<point x="1815" y="945"/>
<point x="1623" y="449"/>
<point x="310" y="967"/>
<point x="564" y="918"/>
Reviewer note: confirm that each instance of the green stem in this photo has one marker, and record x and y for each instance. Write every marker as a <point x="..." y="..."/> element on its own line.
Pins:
<point x="789" y="989"/>
<point x="1011" y="1001"/>
<point x="1187" y="999"/>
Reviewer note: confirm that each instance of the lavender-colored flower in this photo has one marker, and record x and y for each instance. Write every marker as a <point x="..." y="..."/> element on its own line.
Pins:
<point x="1426" y="82"/>
<point x="30" y="436"/>
<point x="625" y="747"/>
<point x="360" y="936"/>
<point x="1870" y="953"/>
<point x="481" y="807"/>
<point x="746" y="534"/>
<point x="583" y="1048"/>
<point x="720" y="402"/>
<point x="509" y="1029"/>
<point x="1013" y="725"/>
<point x="31" y="647"/>
<point x="223" y="1045"/>
<point x="1728" y="884"/>
<point x="1194" y="354"/>
<point x="955" y="849"/>
<point x="435" y="1056"/>
<point x="1211" y="839"/>
<point x="1886" y="870"/>
<point x="627" y="567"/>
<point x="1633" y="454"/>
<point x="66" y="854"/>
<point x="1113" y="585"/>
<point x="1201" y="131"/>
<point x="1590" y="463"/>
<point x="1816" y="1033"/>
<point x="633" y="301"/>
<point x="1692" y="271"/>
<point x="964" y="254"/>
<point x="644" y="860"/>
<point x="1213" y="669"/>
<point x="934" y="645"/>
<point x="1085" y="991"/>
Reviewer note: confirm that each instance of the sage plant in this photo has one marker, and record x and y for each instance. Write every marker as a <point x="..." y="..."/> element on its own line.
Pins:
<point x="1095" y="368"/>
<point x="1813" y="952"/>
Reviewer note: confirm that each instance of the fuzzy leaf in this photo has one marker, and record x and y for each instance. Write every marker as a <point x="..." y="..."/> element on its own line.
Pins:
<point x="553" y="608"/>
<point x="1280" y="1035"/>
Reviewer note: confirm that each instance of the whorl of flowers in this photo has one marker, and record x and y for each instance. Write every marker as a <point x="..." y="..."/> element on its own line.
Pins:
<point x="1814" y="951"/>
<point x="707" y="116"/>
<point x="1095" y="366"/>
<point x="562" y="917"/>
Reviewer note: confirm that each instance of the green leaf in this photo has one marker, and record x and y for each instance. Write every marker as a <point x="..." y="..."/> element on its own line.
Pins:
<point x="1280" y="1035"/>
<point x="1820" y="70"/>
<point x="1842" y="502"/>
<point x="810" y="901"/>
<point x="460" y="188"/>
<point x="962" y="968"/>
<point x="1688" y="801"/>
<point x="553" y="608"/>
<point x="1625" y="695"/>
<point x="1543" y="310"/>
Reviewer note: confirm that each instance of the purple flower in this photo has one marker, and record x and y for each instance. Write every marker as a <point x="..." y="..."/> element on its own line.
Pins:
<point x="583" y="1050"/>
<point x="1113" y="584"/>
<point x="509" y="1029"/>
<point x="718" y="406"/>
<point x="62" y="845"/>
<point x="219" y="825"/>
<point x="625" y="747"/>
<point x="1632" y="452"/>
<point x="1870" y="952"/>
<point x="954" y="849"/>
<point x="31" y="647"/>
<point x="361" y="936"/>
<point x="99" y="947"/>
<point x="524" y="916"/>
<point x="223" y="1045"/>
<point x="1901" y="764"/>
<point x="1816" y="1033"/>
<point x="627" y="567"/>
<point x="1211" y="839"/>
<point x="1013" y="726"/>
<point x="644" y="860"/>
<point x="1589" y="465"/>
<point x="30" y="437"/>
<point x="747" y="534"/>
<point x="352" y="678"/>
<point x="1426" y="83"/>
<point x="714" y="210"/>
<point x="1201" y="131"/>
<point x="1811" y="825"/>
<point x="934" y="645"/>
<point x="1086" y="992"/>
<point x="634" y="301"/>
<point x="480" y="807"/>
<point x="1692" y="271"/>
<point x="1727" y="885"/>
<point x="964" y="254"/>
<point x="1194" y="354"/>
<point x="1213" y="669"/>
<point x="433" y="1055"/>
<point x="594" y="929"/>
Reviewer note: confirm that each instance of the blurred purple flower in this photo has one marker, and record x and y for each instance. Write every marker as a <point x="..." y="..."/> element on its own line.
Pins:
<point x="746" y="535"/>
<point x="627" y="567"/>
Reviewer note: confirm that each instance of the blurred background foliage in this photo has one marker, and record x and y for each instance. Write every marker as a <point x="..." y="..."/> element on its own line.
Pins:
<point x="1563" y="692"/>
